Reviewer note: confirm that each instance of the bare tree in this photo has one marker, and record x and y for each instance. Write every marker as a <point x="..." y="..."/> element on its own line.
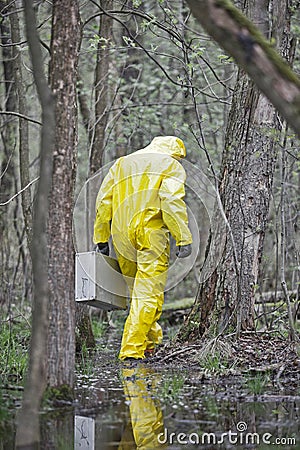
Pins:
<point x="8" y="134"/>
<point x="65" y="42"/>
<point x="28" y="434"/>
<point x="101" y="88"/>
<point x="96" y="129"/>
<point x="23" y="123"/>
<point x="8" y="170"/>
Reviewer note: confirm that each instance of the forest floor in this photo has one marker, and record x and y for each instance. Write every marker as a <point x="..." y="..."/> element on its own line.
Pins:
<point x="200" y="387"/>
<point x="267" y="357"/>
<point x="257" y="352"/>
<point x="254" y="354"/>
<point x="206" y="386"/>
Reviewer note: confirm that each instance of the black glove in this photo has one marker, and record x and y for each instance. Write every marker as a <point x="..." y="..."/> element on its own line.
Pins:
<point x="184" y="251"/>
<point x="103" y="248"/>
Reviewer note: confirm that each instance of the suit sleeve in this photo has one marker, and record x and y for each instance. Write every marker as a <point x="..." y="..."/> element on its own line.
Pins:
<point x="104" y="209"/>
<point x="174" y="212"/>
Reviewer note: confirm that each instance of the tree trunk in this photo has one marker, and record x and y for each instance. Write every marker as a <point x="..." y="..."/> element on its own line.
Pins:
<point x="9" y="133"/>
<point x="227" y="298"/>
<point x="65" y="42"/>
<point x="23" y="123"/>
<point x="101" y="88"/>
<point x="97" y="136"/>
<point x="28" y="435"/>
<point x="8" y="140"/>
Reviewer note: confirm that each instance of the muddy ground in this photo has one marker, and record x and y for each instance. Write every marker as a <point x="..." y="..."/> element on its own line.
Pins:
<point x="198" y="388"/>
<point x="253" y="354"/>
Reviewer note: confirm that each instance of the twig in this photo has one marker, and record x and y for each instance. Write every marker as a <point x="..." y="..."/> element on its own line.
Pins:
<point x="23" y="316"/>
<point x="280" y="372"/>
<point x="264" y="368"/>
<point x="257" y="332"/>
<point x="178" y="352"/>
<point x="13" y="387"/>
<point x="14" y="113"/>
<point x="10" y="319"/>
<point x="6" y="168"/>
<point x="20" y="192"/>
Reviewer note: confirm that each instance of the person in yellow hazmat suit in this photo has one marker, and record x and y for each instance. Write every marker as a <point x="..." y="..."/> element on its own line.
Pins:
<point x="141" y="201"/>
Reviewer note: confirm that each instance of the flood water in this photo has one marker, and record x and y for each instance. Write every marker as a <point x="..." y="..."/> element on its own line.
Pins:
<point x="129" y="407"/>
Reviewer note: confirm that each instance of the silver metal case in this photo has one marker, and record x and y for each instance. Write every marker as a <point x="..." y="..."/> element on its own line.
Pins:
<point x="99" y="282"/>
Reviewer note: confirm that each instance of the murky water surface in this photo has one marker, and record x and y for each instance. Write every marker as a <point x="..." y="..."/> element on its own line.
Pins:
<point x="129" y="407"/>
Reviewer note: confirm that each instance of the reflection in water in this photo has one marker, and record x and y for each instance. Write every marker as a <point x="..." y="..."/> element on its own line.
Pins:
<point x="145" y="413"/>
<point x="118" y="409"/>
<point x="84" y="430"/>
<point x="145" y="417"/>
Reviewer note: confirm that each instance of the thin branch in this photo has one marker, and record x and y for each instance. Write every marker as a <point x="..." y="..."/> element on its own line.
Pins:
<point x="20" y="192"/>
<point x="13" y="113"/>
<point x="179" y="352"/>
<point x="6" y="167"/>
<point x="136" y="13"/>
<point x="283" y="244"/>
<point x="148" y="52"/>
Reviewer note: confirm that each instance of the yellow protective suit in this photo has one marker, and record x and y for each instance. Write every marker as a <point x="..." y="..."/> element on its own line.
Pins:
<point x="139" y="202"/>
<point x="147" y="423"/>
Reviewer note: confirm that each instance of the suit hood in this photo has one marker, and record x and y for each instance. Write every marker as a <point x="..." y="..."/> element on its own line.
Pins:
<point x="170" y="145"/>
